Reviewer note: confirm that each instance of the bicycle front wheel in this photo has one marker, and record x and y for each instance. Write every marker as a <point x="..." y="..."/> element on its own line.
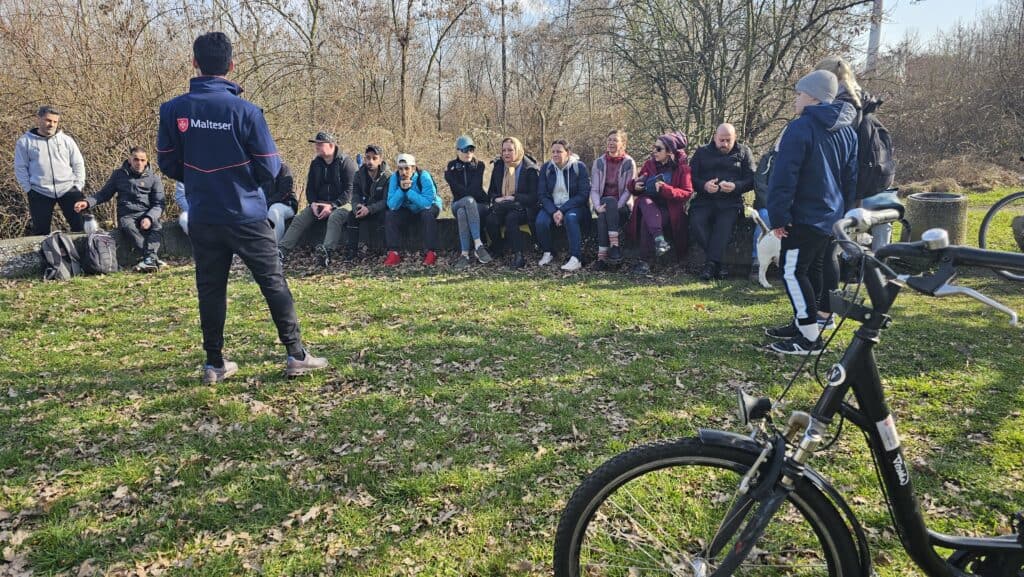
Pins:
<point x="1003" y="229"/>
<point x="654" y="509"/>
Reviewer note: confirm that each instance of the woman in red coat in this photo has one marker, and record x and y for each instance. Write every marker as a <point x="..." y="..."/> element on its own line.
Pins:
<point x="661" y="192"/>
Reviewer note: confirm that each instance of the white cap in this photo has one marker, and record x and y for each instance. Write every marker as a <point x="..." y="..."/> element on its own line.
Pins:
<point x="405" y="158"/>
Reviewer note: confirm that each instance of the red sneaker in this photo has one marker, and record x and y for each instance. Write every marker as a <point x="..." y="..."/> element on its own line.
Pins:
<point x="393" y="259"/>
<point x="430" y="259"/>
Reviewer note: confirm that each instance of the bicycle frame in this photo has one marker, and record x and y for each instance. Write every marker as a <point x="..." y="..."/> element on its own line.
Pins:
<point x="857" y="370"/>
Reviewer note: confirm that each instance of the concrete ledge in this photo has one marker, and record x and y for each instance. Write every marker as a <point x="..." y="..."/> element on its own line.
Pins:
<point x="19" y="257"/>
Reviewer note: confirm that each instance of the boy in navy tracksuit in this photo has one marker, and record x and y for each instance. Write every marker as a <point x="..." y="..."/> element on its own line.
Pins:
<point x="219" y="145"/>
<point x="812" y="183"/>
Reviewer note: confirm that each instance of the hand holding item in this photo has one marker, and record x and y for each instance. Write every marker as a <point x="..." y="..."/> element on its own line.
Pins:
<point x="711" y="186"/>
<point x="81" y="205"/>
<point x="727" y="186"/>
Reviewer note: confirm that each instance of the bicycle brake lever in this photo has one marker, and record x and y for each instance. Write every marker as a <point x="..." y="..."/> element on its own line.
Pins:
<point x="953" y="290"/>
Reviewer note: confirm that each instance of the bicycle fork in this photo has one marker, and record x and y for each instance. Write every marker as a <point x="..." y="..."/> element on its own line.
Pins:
<point x="776" y="475"/>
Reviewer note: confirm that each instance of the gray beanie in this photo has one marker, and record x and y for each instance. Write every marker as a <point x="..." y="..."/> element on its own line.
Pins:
<point x="821" y="85"/>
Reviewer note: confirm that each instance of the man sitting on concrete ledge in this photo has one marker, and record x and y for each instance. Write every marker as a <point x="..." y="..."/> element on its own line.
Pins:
<point x="140" y="202"/>
<point x="412" y="194"/>
<point x="329" y="193"/>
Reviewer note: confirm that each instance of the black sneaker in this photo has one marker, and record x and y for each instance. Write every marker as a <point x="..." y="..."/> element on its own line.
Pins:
<point x="641" y="268"/>
<point x="784" y="332"/>
<point x="722" y="273"/>
<point x="661" y="246"/>
<point x="519" y="261"/>
<point x="798" y="345"/>
<point x="323" y="256"/>
<point x="708" y="272"/>
<point x="615" y="255"/>
<point x="600" y="265"/>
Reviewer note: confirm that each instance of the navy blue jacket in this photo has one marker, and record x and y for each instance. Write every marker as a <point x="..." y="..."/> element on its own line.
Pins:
<point x="577" y="181"/>
<point x="814" y="179"/>
<point x="219" y="145"/>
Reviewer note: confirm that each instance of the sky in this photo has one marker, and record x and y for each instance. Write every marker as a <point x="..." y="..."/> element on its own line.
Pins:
<point x="927" y="17"/>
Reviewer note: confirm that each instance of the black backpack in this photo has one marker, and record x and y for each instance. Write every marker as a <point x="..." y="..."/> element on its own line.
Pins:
<point x="60" y="257"/>
<point x="100" y="253"/>
<point x="876" y="164"/>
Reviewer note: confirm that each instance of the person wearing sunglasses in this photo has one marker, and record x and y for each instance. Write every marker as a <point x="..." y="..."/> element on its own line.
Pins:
<point x="661" y="191"/>
<point x="465" y="178"/>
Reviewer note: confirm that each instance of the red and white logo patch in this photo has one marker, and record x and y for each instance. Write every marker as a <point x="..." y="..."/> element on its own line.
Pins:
<point x="182" y="124"/>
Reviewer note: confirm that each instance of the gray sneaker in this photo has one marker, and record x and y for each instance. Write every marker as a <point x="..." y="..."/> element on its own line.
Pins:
<point x="462" y="263"/>
<point x="294" y="367"/>
<point x="482" y="255"/>
<point x="212" y="374"/>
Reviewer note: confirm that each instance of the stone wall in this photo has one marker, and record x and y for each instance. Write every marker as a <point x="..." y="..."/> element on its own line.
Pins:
<point x="19" y="257"/>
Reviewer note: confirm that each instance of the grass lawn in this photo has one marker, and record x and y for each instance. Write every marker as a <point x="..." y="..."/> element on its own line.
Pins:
<point x="460" y="413"/>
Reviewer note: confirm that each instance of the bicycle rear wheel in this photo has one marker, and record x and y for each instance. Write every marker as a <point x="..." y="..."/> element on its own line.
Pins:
<point x="1003" y="229"/>
<point x="653" y="510"/>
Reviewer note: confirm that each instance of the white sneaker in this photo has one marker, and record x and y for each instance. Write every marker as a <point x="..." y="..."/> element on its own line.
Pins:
<point x="572" y="265"/>
<point x="546" y="259"/>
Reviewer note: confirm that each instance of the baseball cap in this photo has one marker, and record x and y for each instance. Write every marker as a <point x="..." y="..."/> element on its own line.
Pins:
<point x="464" y="142"/>
<point x="323" y="136"/>
<point x="374" y="148"/>
<point x="405" y="158"/>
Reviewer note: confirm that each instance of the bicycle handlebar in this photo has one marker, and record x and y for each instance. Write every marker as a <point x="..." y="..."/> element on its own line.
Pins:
<point x="958" y="255"/>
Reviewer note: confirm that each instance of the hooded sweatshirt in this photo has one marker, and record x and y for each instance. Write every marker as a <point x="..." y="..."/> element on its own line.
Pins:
<point x="331" y="183"/>
<point x="51" y="166"/>
<point x="138" y="193"/>
<point x="814" y="179"/>
<point x="573" y="177"/>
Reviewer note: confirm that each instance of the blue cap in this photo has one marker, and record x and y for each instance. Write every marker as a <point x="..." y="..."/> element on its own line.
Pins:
<point x="464" y="142"/>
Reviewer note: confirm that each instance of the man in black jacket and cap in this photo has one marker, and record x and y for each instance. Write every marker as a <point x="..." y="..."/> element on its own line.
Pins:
<point x="329" y="194"/>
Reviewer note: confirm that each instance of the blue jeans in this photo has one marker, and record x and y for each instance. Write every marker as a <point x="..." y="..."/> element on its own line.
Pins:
<point x="757" y="228"/>
<point x="571" y="222"/>
<point x="468" y="214"/>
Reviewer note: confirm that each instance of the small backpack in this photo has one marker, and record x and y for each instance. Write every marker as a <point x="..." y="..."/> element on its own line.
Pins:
<point x="100" y="253"/>
<point x="876" y="164"/>
<point x="60" y="258"/>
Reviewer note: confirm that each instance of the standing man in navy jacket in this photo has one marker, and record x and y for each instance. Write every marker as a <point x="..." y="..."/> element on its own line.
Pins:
<point x="813" y="182"/>
<point x="219" y="145"/>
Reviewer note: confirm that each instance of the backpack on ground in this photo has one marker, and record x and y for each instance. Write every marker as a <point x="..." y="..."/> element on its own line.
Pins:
<point x="100" y="253"/>
<point x="876" y="164"/>
<point x="60" y="258"/>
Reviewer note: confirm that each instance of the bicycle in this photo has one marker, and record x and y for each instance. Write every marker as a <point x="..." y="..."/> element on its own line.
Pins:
<point x="1003" y="229"/>
<point x="723" y="503"/>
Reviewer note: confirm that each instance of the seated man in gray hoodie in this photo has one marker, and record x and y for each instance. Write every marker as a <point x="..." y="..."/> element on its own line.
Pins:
<point x="140" y="202"/>
<point x="49" y="167"/>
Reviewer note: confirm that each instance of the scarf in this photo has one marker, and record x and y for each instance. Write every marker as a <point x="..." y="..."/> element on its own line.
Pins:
<point x="508" y="183"/>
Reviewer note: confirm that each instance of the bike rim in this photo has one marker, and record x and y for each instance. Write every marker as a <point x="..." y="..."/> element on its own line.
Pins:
<point x="657" y="519"/>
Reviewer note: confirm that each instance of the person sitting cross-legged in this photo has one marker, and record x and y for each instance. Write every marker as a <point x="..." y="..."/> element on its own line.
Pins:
<point x="563" y="190"/>
<point x="412" y="194"/>
<point x="140" y="202"/>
